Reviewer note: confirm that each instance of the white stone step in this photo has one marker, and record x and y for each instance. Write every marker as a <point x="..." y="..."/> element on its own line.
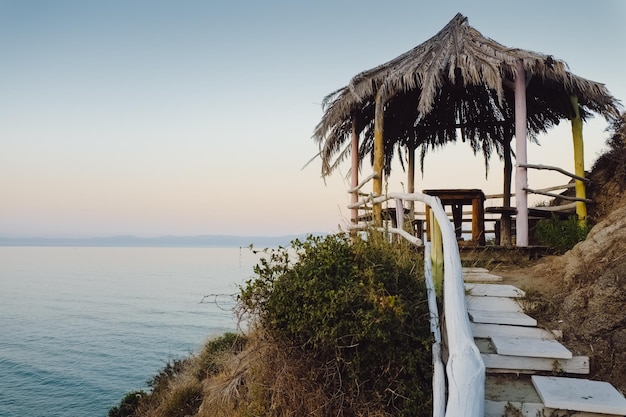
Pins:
<point x="519" y="364"/>
<point x="486" y="330"/>
<point x="530" y="347"/>
<point x="501" y="304"/>
<point x="481" y="277"/>
<point x="510" y="395"/>
<point x="472" y="269"/>
<point x="493" y="290"/>
<point x="513" y="318"/>
<point x="579" y="395"/>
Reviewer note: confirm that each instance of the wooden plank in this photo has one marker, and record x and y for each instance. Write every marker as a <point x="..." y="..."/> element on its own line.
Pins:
<point x="530" y="347"/>
<point x="515" y="364"/>
<point x="579" y="395"/>
<point x="493" y="290"/>
<point x="502" y="317"/>
<point x="503" y="304"/>
<point x="486" y="330"/>
<point x="481" y="277"/>
<point x="469" y="270"/>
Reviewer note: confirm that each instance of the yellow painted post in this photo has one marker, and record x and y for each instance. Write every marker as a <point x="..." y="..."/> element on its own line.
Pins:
<point x="579" y="162"/>
<point x="379" y="156"/>
<point x="436" y="253"/>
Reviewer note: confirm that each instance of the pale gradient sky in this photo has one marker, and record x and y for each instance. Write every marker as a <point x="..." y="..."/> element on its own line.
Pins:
<point x="152" y="117"/>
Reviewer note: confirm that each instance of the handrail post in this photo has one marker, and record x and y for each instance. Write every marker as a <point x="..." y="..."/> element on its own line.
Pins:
<point x="379" y="157"/>
<point x="579" y="163"/>
<point x="436" y="254"/>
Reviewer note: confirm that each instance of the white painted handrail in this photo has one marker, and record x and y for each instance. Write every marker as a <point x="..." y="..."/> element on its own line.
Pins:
<point x="465" y="369"/>
<point x="365" y="181"/>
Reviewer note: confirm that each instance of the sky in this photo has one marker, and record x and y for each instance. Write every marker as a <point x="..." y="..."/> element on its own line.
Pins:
<point x="151" y="117"/>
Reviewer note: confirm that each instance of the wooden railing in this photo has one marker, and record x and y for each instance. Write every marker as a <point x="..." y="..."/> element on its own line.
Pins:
<point x="465" y="370"/>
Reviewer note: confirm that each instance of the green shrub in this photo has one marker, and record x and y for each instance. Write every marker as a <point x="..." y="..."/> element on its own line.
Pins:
<point x="208" y="362"/>
<point x="183" y="400"/>
<point x="160" y="382"/>
<point x="128" y="405"/>
<point x="358" y="306"/>
<point x="560" y="235"/>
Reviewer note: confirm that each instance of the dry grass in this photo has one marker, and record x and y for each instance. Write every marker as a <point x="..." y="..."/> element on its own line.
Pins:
<point x="266" y="378"/>
<point x="270" y="379"/>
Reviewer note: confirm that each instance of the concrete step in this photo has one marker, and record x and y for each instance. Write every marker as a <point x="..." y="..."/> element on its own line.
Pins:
<point x="516" y="396"/>
<point x="471" y="269"/>
<point x="498" y="364"/>
<point x="513" y="318"/>
<point x="579" y="395"/>
<point x="480" y="277"/>
<point x="493" y="290"/>
<point x="521" y="365"/>
<point x="530" y="347"/>
<point x="486" y="330"/>
<point x="499" y="304"/>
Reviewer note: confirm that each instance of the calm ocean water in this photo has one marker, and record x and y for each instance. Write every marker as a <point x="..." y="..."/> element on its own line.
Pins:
<point x="80" y="327"/>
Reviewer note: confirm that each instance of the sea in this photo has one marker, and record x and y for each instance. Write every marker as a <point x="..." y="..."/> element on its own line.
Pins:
<point x="82" y="326"/>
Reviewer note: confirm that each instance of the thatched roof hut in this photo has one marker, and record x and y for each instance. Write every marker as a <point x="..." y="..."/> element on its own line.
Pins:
<point x="458" y="79"/>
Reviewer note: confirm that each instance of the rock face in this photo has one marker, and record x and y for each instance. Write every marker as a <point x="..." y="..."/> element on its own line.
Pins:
<point x="590" y="290"/>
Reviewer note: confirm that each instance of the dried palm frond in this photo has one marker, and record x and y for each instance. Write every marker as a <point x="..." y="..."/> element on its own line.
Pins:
<point x="458" y="80"/>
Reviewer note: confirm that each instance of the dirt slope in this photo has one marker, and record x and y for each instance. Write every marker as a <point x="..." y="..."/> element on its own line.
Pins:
<point x="587" y="287"/>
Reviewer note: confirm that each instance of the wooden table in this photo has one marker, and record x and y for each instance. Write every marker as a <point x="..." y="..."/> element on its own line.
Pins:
<point x="457" y="198"/>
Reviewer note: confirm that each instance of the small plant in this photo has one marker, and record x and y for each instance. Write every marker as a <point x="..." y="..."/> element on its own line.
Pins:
<point x="536" y="304"/>
<point x="128" y="405"/>
<point x="160" y="381"/>
<point x="209" y="361"/>
<point x="557" y="368"/>
<point x="512" y="411"/>
<point x="560" y="235"/>
<point x="183" y="400"/>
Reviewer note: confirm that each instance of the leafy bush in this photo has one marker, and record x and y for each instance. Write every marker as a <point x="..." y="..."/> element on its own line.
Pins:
<point x="128" y="405"/>
<point x="181" y="401"/>
<point x="360" y="307"/>
<point x="160" y="382"/>
<point x="561" y="235"/>
<point x="208" y="362"/>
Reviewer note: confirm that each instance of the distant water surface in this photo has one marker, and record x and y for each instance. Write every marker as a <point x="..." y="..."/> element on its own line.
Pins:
<point x="80" y="327"/>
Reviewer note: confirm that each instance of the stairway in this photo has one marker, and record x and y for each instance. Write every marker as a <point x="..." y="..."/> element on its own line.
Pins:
<point x="529" y="373"/>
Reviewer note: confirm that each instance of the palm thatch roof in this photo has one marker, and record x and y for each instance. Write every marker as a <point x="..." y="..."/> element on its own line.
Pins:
<point x="458" y="80"/>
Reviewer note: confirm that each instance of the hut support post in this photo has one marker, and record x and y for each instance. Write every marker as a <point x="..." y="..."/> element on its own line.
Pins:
<point x="354" y="215"/>
<point x="378" y="160"/>
<point x="505" y="220"/>
<point x="579" y="163"/>
<point x="521" y="176"/>
<point x="411" y="181"/>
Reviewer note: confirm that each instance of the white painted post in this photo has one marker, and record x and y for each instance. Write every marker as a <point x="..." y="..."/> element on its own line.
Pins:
<point x="521" y="176"/>
<point x="399" y="213"/>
